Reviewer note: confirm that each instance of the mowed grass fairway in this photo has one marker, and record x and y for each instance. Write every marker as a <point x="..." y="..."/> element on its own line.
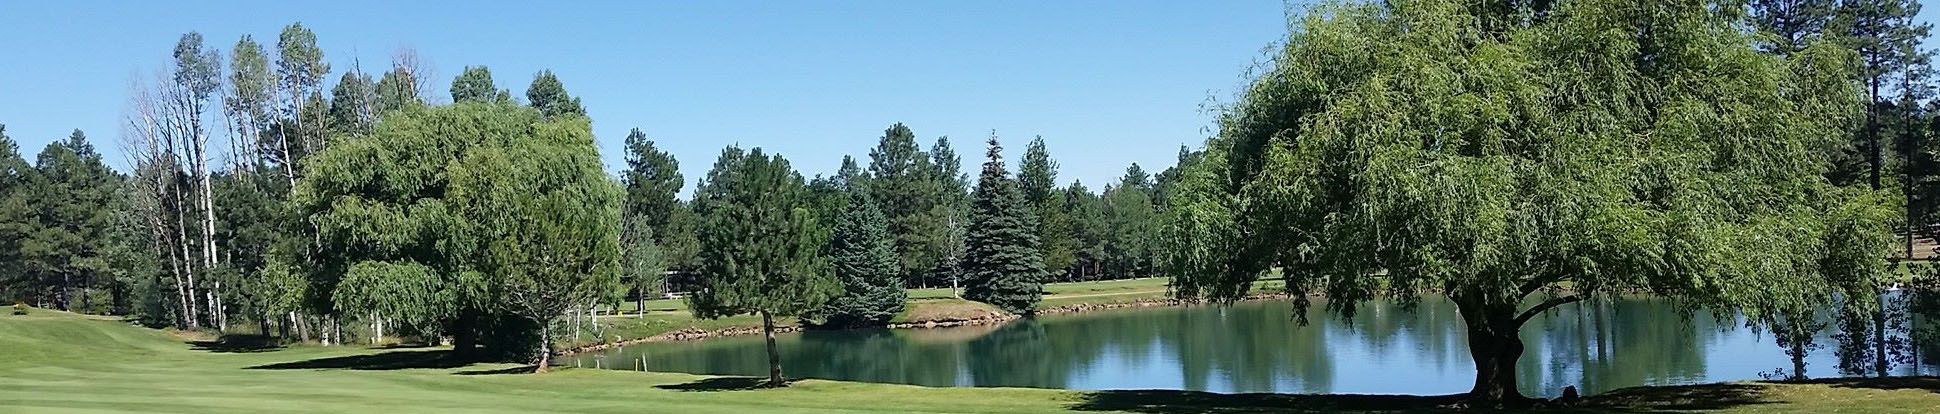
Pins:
<point x="59" y="362"/>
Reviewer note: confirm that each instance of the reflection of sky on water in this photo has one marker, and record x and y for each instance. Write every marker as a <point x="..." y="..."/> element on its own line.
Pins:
<point x="1255" y="347"/>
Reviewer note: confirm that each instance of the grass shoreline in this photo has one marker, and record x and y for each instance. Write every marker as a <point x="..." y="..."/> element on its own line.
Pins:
<point x="668" y="319"/>
<point x="58" y="362"/>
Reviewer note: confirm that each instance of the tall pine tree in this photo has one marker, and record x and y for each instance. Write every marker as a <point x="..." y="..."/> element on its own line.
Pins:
<point x="1002" y="264"/>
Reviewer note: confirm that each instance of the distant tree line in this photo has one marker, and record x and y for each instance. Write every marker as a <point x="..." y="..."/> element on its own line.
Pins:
<point x="260" y="198"/>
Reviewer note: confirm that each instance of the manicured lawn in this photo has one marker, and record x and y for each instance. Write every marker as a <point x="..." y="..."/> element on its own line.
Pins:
<point x="57" y="362"/>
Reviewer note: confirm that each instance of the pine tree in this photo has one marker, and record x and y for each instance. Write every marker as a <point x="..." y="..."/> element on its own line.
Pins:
<point x="475" y="85"/>
<point x="897" y="167"/>
<point x="1002" y="264"/>
<point x="760" y="248"/>
<point x="549" y="95"/>
<point x="1128" y="217"/>
<point x="863" y="257"/>
<point x="72" y="196"/>
<point x="16" y="216"/>
<point x="1037" y="179"/>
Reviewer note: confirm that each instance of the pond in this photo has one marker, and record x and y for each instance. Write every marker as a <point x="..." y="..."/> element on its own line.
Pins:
<point x="1255" y="347"/>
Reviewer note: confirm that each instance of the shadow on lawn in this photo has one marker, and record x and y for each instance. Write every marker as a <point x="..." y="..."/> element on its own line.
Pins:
<point x="1931" y="384"/>
<point x="378" y="362"/>
<point x="1633" y="400"/>
<point x="237" y="344"/>
<point x="522" y="369"/>
<point x="1167" y="402"/>
<point x="720" y="384"/>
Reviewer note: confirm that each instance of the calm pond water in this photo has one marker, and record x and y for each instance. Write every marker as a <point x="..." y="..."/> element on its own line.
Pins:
<point x="1254" y="347"/>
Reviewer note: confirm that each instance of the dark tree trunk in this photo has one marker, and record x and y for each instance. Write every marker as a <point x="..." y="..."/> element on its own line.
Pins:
<point x="464" y="335"/>
<point x="774" y="353"/>
<point x="1495" y="344"/>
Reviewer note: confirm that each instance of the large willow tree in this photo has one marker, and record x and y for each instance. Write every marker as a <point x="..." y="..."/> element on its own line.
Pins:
<point x="1517" y="159"/>
<point x="446" y="219"/>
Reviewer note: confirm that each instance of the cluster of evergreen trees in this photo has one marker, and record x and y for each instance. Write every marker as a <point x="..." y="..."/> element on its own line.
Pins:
<point x="259" y="197"/>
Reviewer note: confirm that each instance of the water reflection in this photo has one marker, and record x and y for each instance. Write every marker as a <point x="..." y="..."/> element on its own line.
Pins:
<point x="1255" y="347"/>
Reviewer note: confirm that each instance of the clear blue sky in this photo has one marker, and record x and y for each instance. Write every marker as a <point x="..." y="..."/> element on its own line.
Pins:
<point x="1107" y="83"/>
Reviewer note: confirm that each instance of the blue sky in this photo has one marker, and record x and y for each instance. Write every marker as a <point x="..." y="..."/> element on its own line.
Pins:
<point x="1107" y="83"/>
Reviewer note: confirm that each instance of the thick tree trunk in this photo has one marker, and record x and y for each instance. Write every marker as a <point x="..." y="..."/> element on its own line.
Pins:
<point x="774" y="353"/>
<point x="464" y="339"/>
<point x="1495" y="365"/>
<point x="1495" y="344"/>
<point x="1798" y="361"/>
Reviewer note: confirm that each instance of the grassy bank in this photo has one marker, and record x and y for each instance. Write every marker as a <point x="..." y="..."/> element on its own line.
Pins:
<point x="57" y="362"/>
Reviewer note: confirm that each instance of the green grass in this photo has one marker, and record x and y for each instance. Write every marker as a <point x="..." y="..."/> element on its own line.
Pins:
<point x="57" y="362"/>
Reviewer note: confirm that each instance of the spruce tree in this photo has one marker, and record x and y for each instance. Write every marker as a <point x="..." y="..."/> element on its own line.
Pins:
<point x="1002" y="265"/>
<point x="863" y="257"/>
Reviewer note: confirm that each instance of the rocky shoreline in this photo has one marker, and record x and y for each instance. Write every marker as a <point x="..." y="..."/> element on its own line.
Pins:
<point x="694" y="334"/>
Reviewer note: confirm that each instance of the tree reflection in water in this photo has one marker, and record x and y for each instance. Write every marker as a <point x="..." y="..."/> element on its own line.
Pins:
<point x="1256" y="347"/>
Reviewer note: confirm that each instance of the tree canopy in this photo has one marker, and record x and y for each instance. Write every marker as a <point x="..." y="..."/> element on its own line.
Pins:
<point x="1515" y="165"/>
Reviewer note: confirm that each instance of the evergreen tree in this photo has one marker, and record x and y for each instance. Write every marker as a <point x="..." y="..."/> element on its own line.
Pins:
<point x="897" y="167"/>
<point x="1037" y="178"/>
<point x="352" y="104"/>
<point x="653" y="181"/>
<point x="863" y="257"/>
<point x="1002" y="265"/>
<point x="17" y="220"/>
<point x="549" y="95"/>
<point x="475" y="85"/>
<point x="761" y="251"/>
<point x="1792" y="24"/>
<point x="71" y="198"/>
<point x="1090" y="231"/>
<point x="1128" y="215"/>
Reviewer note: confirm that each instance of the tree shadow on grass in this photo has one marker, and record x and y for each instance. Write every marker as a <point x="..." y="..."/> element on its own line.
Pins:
<point x="1168" y="402"/>
<point x="237" y="344"/>
<point x="1675" y="399"/>
<point x="393" y="360"/>
<point x="1678" y="399"/>
<point x="720" y="384"/>
<point x="522" y="369"/>
<point x="1931" y="384"/>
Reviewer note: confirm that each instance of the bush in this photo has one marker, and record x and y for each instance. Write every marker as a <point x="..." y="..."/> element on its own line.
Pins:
<point x="19" y="308"/>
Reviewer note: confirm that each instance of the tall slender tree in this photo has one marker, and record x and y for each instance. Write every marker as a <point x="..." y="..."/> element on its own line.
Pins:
<point x="1037" y="179"/>
<point x="897" y="167"/>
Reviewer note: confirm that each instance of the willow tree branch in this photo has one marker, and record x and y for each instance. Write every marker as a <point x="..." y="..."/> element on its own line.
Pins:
<point x="1546" y="306"/>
